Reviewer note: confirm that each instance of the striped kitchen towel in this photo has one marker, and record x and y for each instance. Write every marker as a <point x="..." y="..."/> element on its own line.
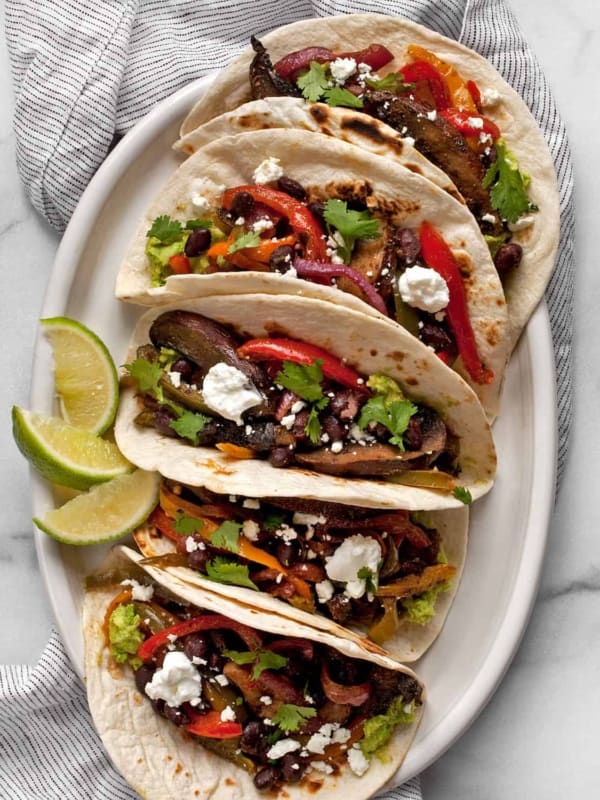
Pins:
<point x="84" y="73"/>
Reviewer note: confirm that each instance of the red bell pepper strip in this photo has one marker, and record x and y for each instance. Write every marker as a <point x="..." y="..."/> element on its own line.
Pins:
<point x="474" y="92"/>
<point x="320" y="272"/>
<point x="159" y="519"/>
<point x="292" y="64"/>
<point x="302" y="353"/>
<point x="300" y="218"/>
<point x="439" y="257"/>
<point x="212" y="726"/>
<point x="422" y="71"/>
<point x="180" y="264"/>
<point x="205" y="622"/>
<point x="375" y="56"/>
<point x="467" y="123"/>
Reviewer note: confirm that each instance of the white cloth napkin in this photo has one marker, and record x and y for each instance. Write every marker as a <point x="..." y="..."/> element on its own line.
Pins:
<point x="84" y="72"/>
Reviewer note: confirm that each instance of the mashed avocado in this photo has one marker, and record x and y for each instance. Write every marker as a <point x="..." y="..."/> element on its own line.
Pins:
<point x="124" y="635"/>
<point x="378" y="730"/>
<point x="421" y="609"/>
<point x="387" y="387"/>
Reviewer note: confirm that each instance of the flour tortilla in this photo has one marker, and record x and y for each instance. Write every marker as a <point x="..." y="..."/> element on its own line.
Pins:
<point x="524" y="287"/>
<point x="410" y="641"/>
<point x="370" y="345"/>
<point x="160" y="761"/>
<point x="328" y="167"/>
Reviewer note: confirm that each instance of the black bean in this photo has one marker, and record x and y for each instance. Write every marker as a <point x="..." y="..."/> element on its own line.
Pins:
<point x="241" y="205"/>
<point x="281" y="456"/>
<point x="318" y="210"/>
<point x="333" y="428"/>
<point x="435" y="335"/>
<point x="413" y="435"/>
<point x="407" y="246"/>
<point x="143" y="675"/>
<point x="292" y="187"/>
<point x="252" y="738"/>
<point x="198" y="241"/>
<point x="339" y="607"/>
<point x="292" y="768"/>
<point x="267" y="778"/>
<point x="197" y="560"/>
<point x="288" y="552"/>
<point x="216" y="662"/>
<point x="507" y="258"/>
<point x="176" y="715"/>
<point x="183" y="366"/>
<point x="281" y="258"/>
<point x="195" y="644"/>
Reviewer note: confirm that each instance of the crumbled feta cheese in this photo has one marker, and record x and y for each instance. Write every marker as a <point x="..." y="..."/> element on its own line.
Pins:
<point x="286" y="533"/>
<point x="221" y="680"/>
<point x="321" y="766"/>
<point x="138" y="591"/>
<point x="488" y="218"/>
<point x="357" y="761"/>
<point x="279" y="578"/>
<point x="228" y="714"/>
<point x="282" y="748"/>
<point x="324" y="590"/>
<point x="489" y="97"/>
<point x="521" y="223"/>
<point x="204" y="193"/>
<point x="240" y="221"/>
<point x="409" y="141"/>
<point x="484" y="138"/>
<point x="329" y="733"/>
<point x="288" y="421"/>
<point x="248" y="430"/>
<point x="175" y="378"/>
<point x="261" y="225"/>
<point x="199" y="662"/>
<point x="358" y="435"/>
<point x="172" y="637"/>
<point x="424" y="288"/>
<point x="251" y="502"/>
<point x="176" y="682"/>
<point x="341" y="69"/>
<point x="233" y="498"/>
<point x="354" y="554"/>
<point x="268" y="170"/>
<point x="475" y="122"/>
<point x="324" y="438"/>
<point x="229" y="392"/>
<point x="191" y="545"/>
<point x="432" y="115"/>
<point x="337" y="447"/>
<point x="297" y="406"/>
<point x="266" y="700"/>
<point x="250" y="530"/>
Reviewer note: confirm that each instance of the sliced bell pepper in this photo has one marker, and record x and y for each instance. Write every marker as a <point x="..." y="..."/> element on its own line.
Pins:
<point x="235" y="450"/>
<point x="375" y="56"/>
<point x="212" y="726"/>
<point x="204" y="622"/>
<point x="467" y="123"/>
<point x="424" y="71"/>
<point x="302" y="353"/>
<point x="304" y="223"/>
<point x="417" y="584"/>
<point x="459" y="92"/>
<point x="439" y="257"/>
<point x="291" y="65"/>
<point x="120" y="599"/>
<point x="180" y="264"/>
<point x="475" y="93"/>
<point x="251" y="258"/>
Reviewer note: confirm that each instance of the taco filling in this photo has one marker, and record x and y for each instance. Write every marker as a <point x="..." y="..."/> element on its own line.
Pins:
<point x="428" y="101"/>
<point x="409" y="274"/>
<point x="360" y="568"/>
<point x="282" y="708"/>
<point x="287" y="401"/>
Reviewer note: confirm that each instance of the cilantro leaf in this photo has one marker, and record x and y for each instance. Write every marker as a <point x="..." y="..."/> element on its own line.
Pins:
<point x="337" y="96"/>
<point x="392" y="82"/>
<point x="147" y="374"/>
<point x="262" y="660"/>
<point x="189" y="424"/>
<point x="395" y="415"/>
<point x="313" y="427"/>
<point x="463" y="494"/>
<point x="273" y="520"/>
<point x="249" y="239"/>
<point x="165" y="229"/>
<point x="240" y="656"/>
<point x="194" y="224"/>
<point x="290" y="717"/>
<point x="221" y="570"/>
<point x="370" y="578"/>
<point x="302" y="379"/>
<point x="226" y="536"/>
<point x="185" y="525"/>
<point x="509" y="185"/>
<point x="350" y="226"/>
<point x="314" y="82"/>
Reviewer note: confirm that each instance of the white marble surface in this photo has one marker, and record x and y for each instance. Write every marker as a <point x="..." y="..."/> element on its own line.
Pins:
<point x="538" y="737"/>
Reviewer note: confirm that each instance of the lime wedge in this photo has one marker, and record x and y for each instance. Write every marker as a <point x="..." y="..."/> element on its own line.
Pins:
<point x="84" y="375"/>
<point x="63" y="454"/>
<point x="106" y="512"/>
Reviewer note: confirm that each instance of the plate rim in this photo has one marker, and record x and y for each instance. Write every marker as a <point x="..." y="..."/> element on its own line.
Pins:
<point x="535" y="346"/>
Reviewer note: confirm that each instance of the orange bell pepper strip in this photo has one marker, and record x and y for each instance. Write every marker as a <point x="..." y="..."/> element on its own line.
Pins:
<point x="459" y="91"/>
<point x="250" y="258"/>
<point x="180" y="264"/>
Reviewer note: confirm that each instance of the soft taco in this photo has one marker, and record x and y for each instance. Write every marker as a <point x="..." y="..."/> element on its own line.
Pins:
<point x="448" y="100"/>
<point x="266" y="395"/>
<point x="195" y="695"/>
<point x="391" y="576"/>
<point x="299" y="213"/>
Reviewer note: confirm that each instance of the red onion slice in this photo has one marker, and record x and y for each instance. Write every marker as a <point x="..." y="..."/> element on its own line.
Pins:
<point x="323" y="271"/>
<point x="338" y="693"/>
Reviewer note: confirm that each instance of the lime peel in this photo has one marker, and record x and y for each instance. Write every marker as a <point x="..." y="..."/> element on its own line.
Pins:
<point x="104" y="513"/>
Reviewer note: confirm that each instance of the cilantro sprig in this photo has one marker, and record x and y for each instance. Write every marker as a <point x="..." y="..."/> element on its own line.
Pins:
<point x="305" y="381"/>
<point x="227" y="536"/>
<point x="508" y="185"/>
<point x="395" y="415"/>
<point x="249" y="239"/>
<point x="261" y="659"/>
<point x="168" y="230"/>
<point x="370" y="578"/>
<point x="349" y="225"/>
<point x="222" y="570"/>
<point x="463" y="494"/>
<point x="290" y="718"/>
<point x="317" y="85"/>
<point x="185" y="525"/>
<point x="392" y="82"/>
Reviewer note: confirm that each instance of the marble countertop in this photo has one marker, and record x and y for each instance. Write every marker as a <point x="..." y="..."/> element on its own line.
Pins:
<point x="538" y="736"/>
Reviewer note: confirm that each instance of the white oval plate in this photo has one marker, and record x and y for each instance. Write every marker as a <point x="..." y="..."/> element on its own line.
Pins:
<point x="509" y="526"/>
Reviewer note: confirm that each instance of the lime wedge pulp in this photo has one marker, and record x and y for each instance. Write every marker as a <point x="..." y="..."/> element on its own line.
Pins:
<point x="84" y="374"/>
<point x="64" y="454"/>
<point x="106" y="512"/>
